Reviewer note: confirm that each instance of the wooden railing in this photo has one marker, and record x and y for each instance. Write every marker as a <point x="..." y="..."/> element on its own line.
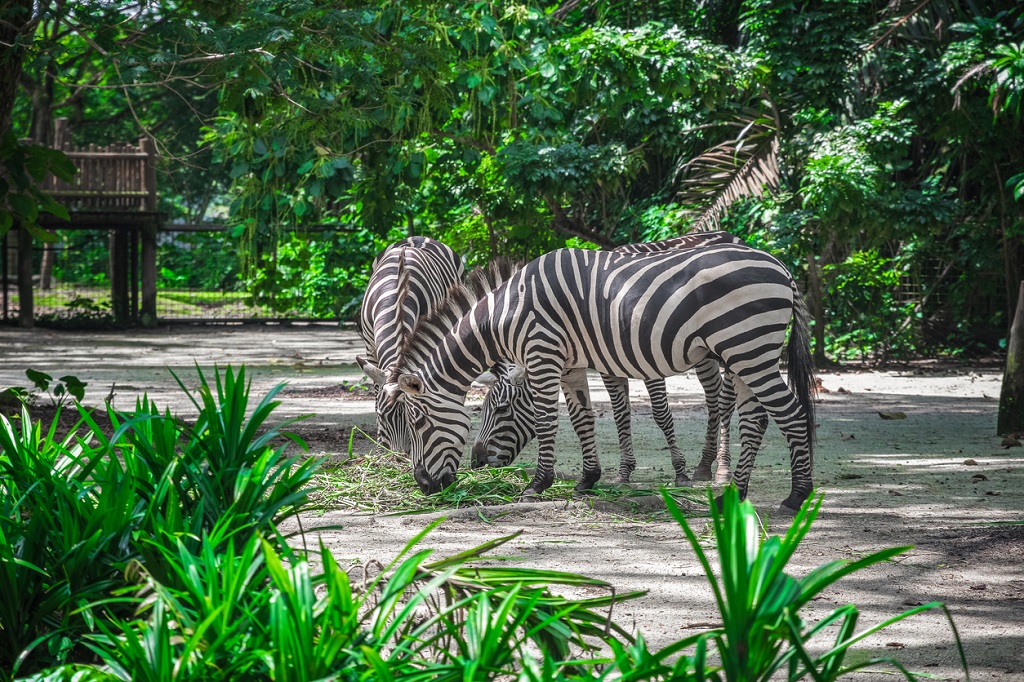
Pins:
<point x="117" y="178"/>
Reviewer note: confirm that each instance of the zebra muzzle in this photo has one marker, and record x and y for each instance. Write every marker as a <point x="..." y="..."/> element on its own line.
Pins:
<point x="431" y="486"/>
<point x="480" y="455"/>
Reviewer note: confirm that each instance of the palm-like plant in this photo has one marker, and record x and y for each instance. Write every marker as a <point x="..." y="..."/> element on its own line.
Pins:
<point x="762" y="630"/>
<point x="66" y="514"/>
<point x="255" y="609"/>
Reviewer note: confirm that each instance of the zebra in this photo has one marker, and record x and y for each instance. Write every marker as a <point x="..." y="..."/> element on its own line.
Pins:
<point x="507" y="416"/>
<point x="641" y="316"/>
<point x="407" y="279"/>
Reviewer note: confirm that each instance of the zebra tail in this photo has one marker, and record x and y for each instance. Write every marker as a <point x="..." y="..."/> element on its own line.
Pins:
<point x="801" y="363"/>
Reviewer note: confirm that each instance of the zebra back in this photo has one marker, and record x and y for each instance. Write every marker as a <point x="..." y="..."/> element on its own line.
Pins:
<point x="686" y="241"/>
<point x="408" y="279"/>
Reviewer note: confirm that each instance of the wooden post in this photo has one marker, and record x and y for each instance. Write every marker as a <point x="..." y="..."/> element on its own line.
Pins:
<point x="133" y="272"/>
<point x="26" y="308"/>
<point x="1011" y="398"/>
<point x="147" y="238"/>
<point x="5" y="270"/>
<point x="119" y="299"/>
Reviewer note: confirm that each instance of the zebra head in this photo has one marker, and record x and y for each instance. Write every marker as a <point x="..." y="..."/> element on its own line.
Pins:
<point x="507" y="419"/>
<point x="392" y="420"/>
<point x="438" y="430"/>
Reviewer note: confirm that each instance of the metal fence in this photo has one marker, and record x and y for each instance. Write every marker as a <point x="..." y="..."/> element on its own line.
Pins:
<point x="198" y="279"/>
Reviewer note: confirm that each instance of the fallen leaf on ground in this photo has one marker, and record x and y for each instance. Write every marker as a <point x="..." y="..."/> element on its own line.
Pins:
<point x="970" y="463"/>
<point x="993" y="493"/>
<point x="1010" y="442"/>
<point x="978" y="478"/>
<point x="979" y="587"/>
<point x="849" y="477"/>
<point x="841" y="390"/>
<point x="896" y="645"/>
<point x="895" y="494"/>
<point x="845" y="436"/>
<point x="892" y="415"/>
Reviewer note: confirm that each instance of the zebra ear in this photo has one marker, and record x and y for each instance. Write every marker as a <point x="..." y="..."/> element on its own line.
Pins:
<point x="375" y="373"/>
<point x="517" y="376"/>
<point x="410" y="384"/>
<point x="487" y="379"/>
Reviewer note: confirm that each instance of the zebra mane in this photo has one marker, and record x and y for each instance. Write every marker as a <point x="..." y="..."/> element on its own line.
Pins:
<point x="431" y="328"/>
<point x="402" y="284"/>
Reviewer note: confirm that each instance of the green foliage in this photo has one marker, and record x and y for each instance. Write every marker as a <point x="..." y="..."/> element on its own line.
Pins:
<point x="68" y="386"/>
<point x="66" y="518"/>
<point x="80" y="515"/>
<point x="207" y="261"/>
<point x="512" y="129"/>
<point x="762" y="631"/>
<point x="316" y="275"/>
<point x="23" y="167"/>
<point x="864" y="293"/>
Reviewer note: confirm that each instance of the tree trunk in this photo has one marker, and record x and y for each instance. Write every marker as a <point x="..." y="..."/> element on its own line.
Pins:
<point x="1011" y="398"/>
<point x="46" y="267"/>
<point x="15" y="18"/>
<point x="492" y="237"/>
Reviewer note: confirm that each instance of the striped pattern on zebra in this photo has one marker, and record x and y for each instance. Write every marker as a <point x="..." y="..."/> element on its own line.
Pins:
<point x="626" y="315"/>
<point x="507" y="417"/>
<point x="407" y="280"/>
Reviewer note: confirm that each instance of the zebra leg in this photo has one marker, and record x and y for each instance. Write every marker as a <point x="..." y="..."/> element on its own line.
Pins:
<point x="775" y="397"/>
<point x="709" y="374"/>
<point x="753" y="423"/>
<point x="581" y="413"/>
<point x="663" y="418"/>
<point x="727" y="405"/>
<point x="544" y="381"/>
<point x="618" y="392"/>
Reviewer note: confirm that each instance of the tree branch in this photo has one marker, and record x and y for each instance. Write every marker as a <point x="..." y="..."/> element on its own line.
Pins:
<point x="566" y="225"/>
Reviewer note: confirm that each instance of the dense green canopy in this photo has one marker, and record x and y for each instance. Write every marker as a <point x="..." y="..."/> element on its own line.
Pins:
<point x="876" y="146"/>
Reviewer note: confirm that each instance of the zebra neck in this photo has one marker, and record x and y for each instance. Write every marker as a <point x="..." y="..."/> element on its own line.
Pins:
<point x="463" y="354"/>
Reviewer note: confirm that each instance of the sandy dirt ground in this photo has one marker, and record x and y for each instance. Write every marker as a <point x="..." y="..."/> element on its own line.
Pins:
<point x="935" y="480"/>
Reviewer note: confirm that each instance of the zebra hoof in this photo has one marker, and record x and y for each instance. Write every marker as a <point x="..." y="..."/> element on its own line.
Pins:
<point x="791" y="505"/>
<point x="786" y="511"/>
<point x="723" y="479"/>
<point x="530" y="495"/>
<point x="621" y="479"/>
<point x="683" y="481"/>
<point x="701" y="474"/>
<point x="588" y="480"/>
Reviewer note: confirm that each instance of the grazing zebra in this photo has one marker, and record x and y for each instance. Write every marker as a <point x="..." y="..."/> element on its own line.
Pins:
<point x="626" y="315"/>
<point x="407" y="280"/>
<point x="507" y="417"/>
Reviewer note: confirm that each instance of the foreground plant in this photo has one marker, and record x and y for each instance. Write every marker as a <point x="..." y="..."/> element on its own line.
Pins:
<point x="259" y="611"/>
<point x="762" y="630"/>
<point x="80" y="514"/>
<point x="66" y="517"/>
